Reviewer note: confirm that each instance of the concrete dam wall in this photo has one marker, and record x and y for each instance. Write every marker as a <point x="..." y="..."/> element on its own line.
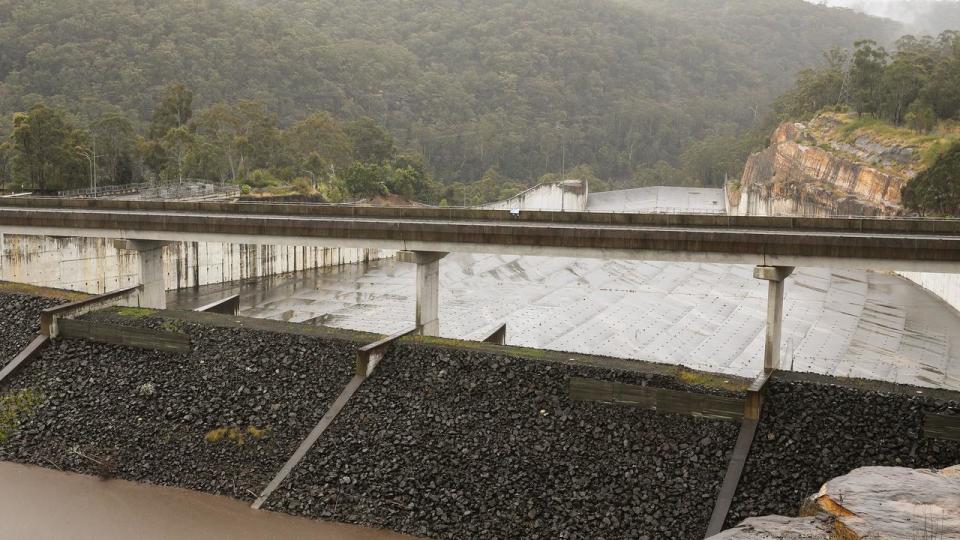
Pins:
<point x="94" y="265"/>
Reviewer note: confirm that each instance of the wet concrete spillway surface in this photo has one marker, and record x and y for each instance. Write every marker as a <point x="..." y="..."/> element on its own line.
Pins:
<point x="703" y="316"/>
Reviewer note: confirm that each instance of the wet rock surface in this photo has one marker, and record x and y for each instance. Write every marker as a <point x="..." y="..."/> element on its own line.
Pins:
<point x="222" y="419"/>
<point x="895" y="502"/>
<point x="810" y="433"/>
<point x="458" y="444"/>
<point x="779" y="528"/>
<point x="20" y="321"/>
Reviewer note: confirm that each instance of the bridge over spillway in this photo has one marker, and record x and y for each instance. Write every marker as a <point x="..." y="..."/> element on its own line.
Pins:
<point x="775" y="245"/>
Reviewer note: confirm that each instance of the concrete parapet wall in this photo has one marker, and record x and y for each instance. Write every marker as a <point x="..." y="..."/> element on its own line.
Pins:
<point x="94" y="265"/>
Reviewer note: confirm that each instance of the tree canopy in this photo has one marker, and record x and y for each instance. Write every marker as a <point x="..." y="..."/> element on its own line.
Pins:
<point x="522" y="87"/>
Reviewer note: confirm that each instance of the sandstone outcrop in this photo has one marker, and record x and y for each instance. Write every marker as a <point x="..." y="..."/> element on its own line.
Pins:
<point x="804" y="173"/>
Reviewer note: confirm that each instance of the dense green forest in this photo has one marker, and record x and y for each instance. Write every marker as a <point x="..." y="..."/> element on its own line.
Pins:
<point x="485" y="96"/>
<point x="918" y="83"/>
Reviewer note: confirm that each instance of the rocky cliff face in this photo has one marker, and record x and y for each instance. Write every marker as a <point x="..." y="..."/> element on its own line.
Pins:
<point x="804" y="173"/>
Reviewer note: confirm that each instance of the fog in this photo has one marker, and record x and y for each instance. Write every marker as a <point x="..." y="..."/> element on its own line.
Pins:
<point x="931" y="16"/>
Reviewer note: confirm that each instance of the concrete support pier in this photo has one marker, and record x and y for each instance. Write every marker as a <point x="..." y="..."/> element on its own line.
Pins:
<point x="153" y="293"/>
<point x="428" y="288"/>
<point x="775" y="276"/>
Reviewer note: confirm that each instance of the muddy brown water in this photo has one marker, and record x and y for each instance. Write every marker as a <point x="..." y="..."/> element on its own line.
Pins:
<point x="40" y="504"/>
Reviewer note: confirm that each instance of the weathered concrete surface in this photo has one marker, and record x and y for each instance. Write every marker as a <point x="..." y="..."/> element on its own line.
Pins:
<point x="46" y="504"/>
<point x="565" y="196"/>
<point x="895" y="503"/>
<point x="659" y="199"/>
<point x="703" y="316"/>
<point x="95" y="265"/>
<point x="945" y="286"/>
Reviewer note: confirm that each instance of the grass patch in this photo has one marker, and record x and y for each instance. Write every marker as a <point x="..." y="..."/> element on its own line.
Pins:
<point x="134" y="312"/>
<point x="234" y="434"/>
<point x="172" y="325"/>
<point x="710" y="380"/>
<point x="14" y="408"/>
<point x="45" y="292"/>
<point x="929" y="146"/>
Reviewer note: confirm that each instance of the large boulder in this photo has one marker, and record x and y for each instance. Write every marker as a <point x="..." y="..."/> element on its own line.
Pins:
<point x="890" y="503"/>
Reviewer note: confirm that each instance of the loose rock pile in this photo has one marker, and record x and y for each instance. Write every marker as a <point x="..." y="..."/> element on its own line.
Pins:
<point x="20" y="322"/>
<point x="459" y="444"/>
<point x="221" y="419"/>
<point x="810" y="433"/>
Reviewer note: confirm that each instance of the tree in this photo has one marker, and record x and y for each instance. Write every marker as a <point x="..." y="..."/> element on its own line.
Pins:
<point x="936" y="191"/>
<point x="173" y="111"/>
<point x="866" y="74"/>
<point x="44" y="145"/>
<point x="245" y="135"/>
<point x="114" y="137"/>
<point x="320" y="138"/>
<point x="815" y="88"/>
<point x="177" y="144"/>
<point x="371" y="143"/>
<point x="6" y="161"/>
<point x="365" y="180"/>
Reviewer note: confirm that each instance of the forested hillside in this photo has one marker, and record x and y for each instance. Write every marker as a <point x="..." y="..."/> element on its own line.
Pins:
<point x="639" y="90"/>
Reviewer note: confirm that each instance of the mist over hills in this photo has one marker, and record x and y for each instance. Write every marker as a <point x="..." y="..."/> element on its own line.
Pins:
<point x="923" y="16"/>
<point x="521" y="87"/>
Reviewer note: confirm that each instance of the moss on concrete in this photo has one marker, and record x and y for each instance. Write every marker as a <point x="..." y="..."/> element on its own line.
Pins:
<point x="45" y="292"/>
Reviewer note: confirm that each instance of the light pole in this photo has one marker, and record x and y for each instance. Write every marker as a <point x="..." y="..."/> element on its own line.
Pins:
<point x="89" y="156"/>
<point x="92" y="159"/>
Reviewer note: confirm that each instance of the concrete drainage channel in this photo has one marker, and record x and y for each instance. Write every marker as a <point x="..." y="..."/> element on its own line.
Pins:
<point x="445" y="440"/>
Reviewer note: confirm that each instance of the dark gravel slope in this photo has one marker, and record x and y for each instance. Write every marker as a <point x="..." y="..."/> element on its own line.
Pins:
<point x="20" y="321"/>
<point x="147" y="415"/>
<point x="457" y="444"/>
<point x="810" y="433"/>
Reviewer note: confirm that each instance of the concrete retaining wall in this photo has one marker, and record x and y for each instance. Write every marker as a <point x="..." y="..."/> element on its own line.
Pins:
<point x="567" y="196"/>
<point x="94" y="265"/>
<point x="946" y="286"/>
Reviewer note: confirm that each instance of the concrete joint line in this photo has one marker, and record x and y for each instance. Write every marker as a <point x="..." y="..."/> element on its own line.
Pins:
<point x="368" y="357"/>
<point x="311" y="439"/>
<point x="30" y="352"/>
<point x="741" y="451"/>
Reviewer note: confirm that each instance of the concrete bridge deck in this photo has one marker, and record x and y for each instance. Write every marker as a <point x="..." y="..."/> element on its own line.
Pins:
<point x="906" y="245"/>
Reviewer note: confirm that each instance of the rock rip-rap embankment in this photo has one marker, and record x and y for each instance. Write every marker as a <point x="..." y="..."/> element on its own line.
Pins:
<point x="20" y="321"/>
<point x="457" y="444"/>
<point x="222" y="418"/>
<point x="810" y="433"/>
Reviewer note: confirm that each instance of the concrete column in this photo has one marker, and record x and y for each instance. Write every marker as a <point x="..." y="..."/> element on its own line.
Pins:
<point x="428" y="288"/>
<point x="774" y="275"/>
<point x="153" y="293"/>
